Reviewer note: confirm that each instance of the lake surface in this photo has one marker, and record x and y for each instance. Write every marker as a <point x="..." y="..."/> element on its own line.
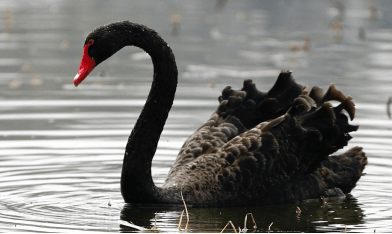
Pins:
<point x="61" y="147"/>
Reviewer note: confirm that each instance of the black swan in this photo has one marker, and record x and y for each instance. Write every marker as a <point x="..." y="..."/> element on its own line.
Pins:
<point x="257" y="147"/>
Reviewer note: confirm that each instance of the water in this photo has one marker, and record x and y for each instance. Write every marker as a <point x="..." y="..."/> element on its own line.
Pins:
<point x="61" y="147"/>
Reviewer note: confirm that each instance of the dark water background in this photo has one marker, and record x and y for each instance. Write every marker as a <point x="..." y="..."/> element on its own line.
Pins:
<point x="61" y="147"/>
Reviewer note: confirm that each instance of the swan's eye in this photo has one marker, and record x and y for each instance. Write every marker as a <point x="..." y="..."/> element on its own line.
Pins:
<point x="90" y="42"/>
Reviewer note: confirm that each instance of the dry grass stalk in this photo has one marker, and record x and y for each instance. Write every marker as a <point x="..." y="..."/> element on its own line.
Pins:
<point x="232" y="225"/>
<point x="269" y="227"/>
<point x="323" y="200"/>
<point x="130" y="224"/>
<point x="345" y="229"/>
<point x="253" y="219"/>
<point x="179" y="223"/>
<point x="187" y="216"/>
<point x="298" y="211"/>
<point x="155" y="224"/>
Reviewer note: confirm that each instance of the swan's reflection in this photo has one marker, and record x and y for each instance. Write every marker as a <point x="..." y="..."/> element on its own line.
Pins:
<point x="314" y="216"/>
<point x="168" y="217"/>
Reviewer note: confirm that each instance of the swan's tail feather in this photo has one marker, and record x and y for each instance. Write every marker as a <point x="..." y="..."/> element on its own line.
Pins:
<point x="343" y="171"/>
<point x="337" y="175"/>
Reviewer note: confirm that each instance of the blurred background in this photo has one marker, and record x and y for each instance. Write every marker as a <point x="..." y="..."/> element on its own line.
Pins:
<point x="61" y="147"/>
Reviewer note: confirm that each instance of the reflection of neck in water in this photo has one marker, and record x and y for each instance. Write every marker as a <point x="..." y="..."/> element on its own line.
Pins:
<point x="314" y="216"/>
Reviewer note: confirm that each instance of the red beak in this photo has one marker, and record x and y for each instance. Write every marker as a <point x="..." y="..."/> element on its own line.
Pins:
<point x="86" y="66"/>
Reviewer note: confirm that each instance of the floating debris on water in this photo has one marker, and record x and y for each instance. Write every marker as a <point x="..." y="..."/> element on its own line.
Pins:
<point x="36" y="82"/>
<point x="306" y="46"/>
<point x="362" y="34"/>
<point x="8" y="21"/>
<point x="14" y="84"/>
<point x="373" y="13"/>
<point x="26" y="68"/>
<point x="64" y="45"/>
<point x="175" y="22"/>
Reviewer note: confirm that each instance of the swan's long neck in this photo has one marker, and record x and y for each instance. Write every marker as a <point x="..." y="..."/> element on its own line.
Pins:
<point x="137" y="185"/>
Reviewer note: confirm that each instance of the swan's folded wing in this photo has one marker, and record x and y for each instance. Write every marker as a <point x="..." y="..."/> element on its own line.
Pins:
<point x="238" y="112"/>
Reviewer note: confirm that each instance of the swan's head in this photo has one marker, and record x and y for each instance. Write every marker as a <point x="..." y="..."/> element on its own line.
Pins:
<point x="100" y="44"/>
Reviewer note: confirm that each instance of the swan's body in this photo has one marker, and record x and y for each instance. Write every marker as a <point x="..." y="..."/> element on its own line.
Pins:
<point x="257" y="148"/>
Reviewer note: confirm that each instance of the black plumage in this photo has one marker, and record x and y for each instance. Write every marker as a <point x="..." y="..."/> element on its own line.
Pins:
<point x="257" y="147"/>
